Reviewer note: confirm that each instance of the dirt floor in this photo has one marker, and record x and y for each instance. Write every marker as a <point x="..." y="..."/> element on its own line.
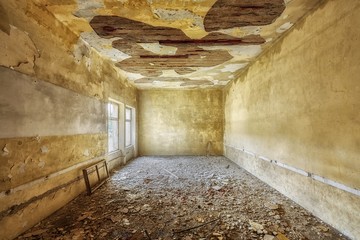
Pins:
<point x="182" y="198"/>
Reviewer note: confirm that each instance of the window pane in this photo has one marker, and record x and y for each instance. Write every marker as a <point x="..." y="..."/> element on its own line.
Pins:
<point x="128" y="114"/>
<point x="113" y="132"/>
<point x="127" y="133"/>
<point x="113" y="110"/>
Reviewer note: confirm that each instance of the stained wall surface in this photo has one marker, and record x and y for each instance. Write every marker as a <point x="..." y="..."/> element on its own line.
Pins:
<point x="53" y="116"/>
<point x="298" y="106"/>
<point x="180" y="122"/>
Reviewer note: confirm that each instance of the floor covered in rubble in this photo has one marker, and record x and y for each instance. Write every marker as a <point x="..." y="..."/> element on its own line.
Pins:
<point x="182" y="198"/>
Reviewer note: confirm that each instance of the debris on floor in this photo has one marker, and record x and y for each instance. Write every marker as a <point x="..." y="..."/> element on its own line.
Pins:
<point x="182" y="198"/>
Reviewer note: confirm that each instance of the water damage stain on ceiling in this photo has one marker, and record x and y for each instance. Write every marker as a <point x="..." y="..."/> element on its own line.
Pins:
<point x="180" y="44"/>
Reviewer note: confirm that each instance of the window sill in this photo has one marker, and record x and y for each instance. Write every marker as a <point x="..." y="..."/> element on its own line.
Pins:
<point x="115" y="153"/>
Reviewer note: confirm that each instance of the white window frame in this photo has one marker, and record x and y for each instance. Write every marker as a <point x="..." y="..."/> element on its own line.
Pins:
<point x="132" y="126"/>
<point x="110" y="118"/>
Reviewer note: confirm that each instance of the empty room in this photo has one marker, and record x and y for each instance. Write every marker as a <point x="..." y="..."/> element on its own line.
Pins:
<point x="180" y="119"/>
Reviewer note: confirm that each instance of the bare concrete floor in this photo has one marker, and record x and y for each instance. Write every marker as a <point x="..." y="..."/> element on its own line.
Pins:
<point x="182" y="198"/>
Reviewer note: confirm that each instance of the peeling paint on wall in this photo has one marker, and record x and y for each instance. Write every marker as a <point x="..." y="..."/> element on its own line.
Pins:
<point x="18" y="51"/>
<point x="33" y="159"/>
<point x="5" y="151"/>
<point x="44" y="149"/>
<point x="54" y="122"/>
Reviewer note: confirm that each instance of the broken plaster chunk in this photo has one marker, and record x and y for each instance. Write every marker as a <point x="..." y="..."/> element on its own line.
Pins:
<point x="256" y="227"/>
<point x="35" y="233"/>
<point x="126" y="222"/>
<point x="272" y="206"/>
<point x="146" y="207"/>
<point x="218" y="235"/>
<point x="217" y="188"/>
<point x="269" y="237"/>
<point x="124" y="210"/>
<point x="323" y="228"/>
<point x="272" y="213"/>
<point x="115" y="219"/>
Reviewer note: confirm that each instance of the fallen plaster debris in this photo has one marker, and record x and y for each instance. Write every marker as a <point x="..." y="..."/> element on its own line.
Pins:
<point x="206" y="200"/>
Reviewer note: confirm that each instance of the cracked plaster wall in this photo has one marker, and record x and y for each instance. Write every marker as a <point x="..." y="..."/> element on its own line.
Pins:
<point x="53" y="90"/>
<point x="299" y="105"/>
<point x="180" y="122"/>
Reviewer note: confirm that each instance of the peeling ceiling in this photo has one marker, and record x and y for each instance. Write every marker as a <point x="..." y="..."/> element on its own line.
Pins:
<point x="179" y="43"/>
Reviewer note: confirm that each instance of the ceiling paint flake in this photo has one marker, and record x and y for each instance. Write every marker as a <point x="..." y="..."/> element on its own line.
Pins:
<point x="286" y="26"/>
<point x="179" y="15"/>
<point x="233" y="67"/>
<point x="178" y="43"/>
<point x="239" y="52"/>
<point x="156" y="48"/>
<point x="104" y="46"/>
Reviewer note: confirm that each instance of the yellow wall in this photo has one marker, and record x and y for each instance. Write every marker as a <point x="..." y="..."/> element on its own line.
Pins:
<point x="299" y="104"/>
<point x="178" y="122"/>
<point x="53" y="95"/>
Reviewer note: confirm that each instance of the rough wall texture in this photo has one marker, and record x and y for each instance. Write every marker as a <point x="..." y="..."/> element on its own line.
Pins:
<point x="53" y="90"/>
<point x="36" y="108"/>
<point x="175" y="122"/>
<point x="299" y="105"/>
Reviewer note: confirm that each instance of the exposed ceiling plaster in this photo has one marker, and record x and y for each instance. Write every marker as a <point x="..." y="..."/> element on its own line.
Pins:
<point x="180" y="44"/>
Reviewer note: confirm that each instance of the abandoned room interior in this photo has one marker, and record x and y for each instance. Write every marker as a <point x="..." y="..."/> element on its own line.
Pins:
<point x="180" y="119"/>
